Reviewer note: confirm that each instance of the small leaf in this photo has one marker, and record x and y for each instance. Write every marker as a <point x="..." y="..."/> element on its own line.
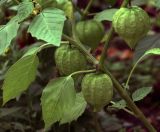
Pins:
<point x="7" y="33"/>
<point x="120" y="104"/>
<point x="58" y="96"/>
<point x="155" y="51"/>
<point x="48" y="26"/>
<point x="139" y="94"/>
<point x="147" y="43"/>
<point x="105" y="15"/>
<point x="76" y="110"/>
<point x="24" y="10"/>
<point x="19" y="77"/>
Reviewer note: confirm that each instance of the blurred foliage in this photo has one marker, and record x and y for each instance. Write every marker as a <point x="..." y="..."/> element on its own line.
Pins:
<point x="24" y="113"/>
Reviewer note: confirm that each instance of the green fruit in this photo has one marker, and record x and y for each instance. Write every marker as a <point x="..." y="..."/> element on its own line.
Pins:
<point x="132" y="24"/>
<point x="69" y="59"/>
<point x="90" y="32"/>
<point x="97" y="90"/>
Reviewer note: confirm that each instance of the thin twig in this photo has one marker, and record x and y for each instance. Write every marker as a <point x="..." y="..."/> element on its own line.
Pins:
<point x="85" y="12"/>
<point x="125" y="109"/>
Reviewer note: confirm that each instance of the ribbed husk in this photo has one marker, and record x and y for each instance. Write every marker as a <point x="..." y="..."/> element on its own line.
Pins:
<point x="97" y="89"/>
<point x="69" y="59"/>
<point x="132" y="24"/>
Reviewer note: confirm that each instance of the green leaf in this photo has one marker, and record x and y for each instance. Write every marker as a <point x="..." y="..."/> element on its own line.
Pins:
<point x="155" y="51"/>
<point x="19" y="77"/>
<point x="119" y="104"/>
<point x="105" y="15"/>
<point x="24" y="10"/>
<point x="147" y="43"/>
<point x="36" y="49"/>
<point x="141" y="93"/>
<point x="76" y="110"/>
<point x="48" y="26"/>
<point x="7" y="33"/>
<point x="58" y="96"/>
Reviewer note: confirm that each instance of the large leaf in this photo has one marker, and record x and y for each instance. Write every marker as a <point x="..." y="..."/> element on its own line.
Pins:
<point x="105" y="15"/>
<point x="141" y="93"/>
<point x="149" y="42"/>
<point x="7" y="33"/>
<point x="76" y="110"/>
<point x="19" y="77"/>
<point x="25" y="8"/>
<point x="58" y="96"/>
<point x="48" y="26"/>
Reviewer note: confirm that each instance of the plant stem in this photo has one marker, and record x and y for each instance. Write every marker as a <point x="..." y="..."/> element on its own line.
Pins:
<point x="125" y="109"/>
<point x="123" y="93"/>
<point x="110" y="34"/>
<point x="125" y="3"/>
<point x="117" y="85"/>
<point x="85" y="12"/>
<point x="82" y="48"/>
<point x="130" y="102"/>
<point x="96" y="122"/>
<point x="85" y="71"/>
<point x="77" y="9"/>
<point x="131" y="72"/>
<point x="103" y="55"/>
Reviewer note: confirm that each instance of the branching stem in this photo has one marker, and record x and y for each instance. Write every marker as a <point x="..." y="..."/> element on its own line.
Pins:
<point x="117" y="85"/>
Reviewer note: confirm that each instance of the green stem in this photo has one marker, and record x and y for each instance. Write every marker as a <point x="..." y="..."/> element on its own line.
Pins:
<point x="82" y="48"/>
<point x="131" y="72"/>
<point x="110" y="34"/>
<point x="125" y="3"/>
<point x="117" y="85"/>
<point x="85" y="71"/>
<point x="103" y="55"/>
<point x="130" y="102"/>
<point x="85" y="12"/>
<point x="125" y="109"/>
<point x="77" y="9"/>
